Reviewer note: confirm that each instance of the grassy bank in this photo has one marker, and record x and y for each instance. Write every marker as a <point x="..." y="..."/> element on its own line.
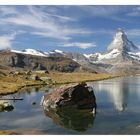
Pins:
<point x="10" y="84"/>
<point x="65" y="78"/>
<point x="22" y="132"/>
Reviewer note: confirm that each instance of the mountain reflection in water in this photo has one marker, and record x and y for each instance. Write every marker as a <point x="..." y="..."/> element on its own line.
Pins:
<point x="118" y="91"/>
<point x="79" y="120"/>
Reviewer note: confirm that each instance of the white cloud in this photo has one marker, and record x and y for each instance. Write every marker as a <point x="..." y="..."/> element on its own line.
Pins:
<point x="6" y="41"/>
<point x="106" y="11"/>
<point x="41" y="22"/>
<point x="51" y="34"/>
<point x="133" y="32"/>
<point x="81" y="45"/>
<point x="135" y="12"/>
<point x="4" y="10"/>
<point x="44" y="24"/>
<point x="63" y="33"/>
<point x="53" y="25"/>
<point x="101" y="10"/>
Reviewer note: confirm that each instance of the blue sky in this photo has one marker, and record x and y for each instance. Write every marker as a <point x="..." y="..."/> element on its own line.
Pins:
<point x="84" y="29"/>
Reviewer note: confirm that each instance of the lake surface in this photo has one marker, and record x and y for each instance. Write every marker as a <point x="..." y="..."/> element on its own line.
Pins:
<point x="118" y="111"/>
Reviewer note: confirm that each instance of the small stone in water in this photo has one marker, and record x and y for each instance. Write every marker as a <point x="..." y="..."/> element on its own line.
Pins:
<point x="33" y="103"/>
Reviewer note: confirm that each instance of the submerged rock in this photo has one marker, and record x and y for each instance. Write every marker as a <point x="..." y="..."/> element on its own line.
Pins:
<point x="79" y="96"/>
<point x="33" y="103"/>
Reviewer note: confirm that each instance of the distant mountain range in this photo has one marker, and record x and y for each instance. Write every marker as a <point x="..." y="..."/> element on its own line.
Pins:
<point x="121" y="56"/>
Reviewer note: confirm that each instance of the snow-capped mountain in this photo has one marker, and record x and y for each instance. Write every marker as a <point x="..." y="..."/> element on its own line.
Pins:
<point x="119" y="45"/>
<point x="54" y="53"/>
<point x="31" y="52"/>
<point x="121" y="42"/>
<point x="119" y="49"/>
<point x="121" y="55"/>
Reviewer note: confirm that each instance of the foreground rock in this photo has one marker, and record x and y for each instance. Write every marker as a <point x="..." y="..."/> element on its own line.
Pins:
<point x="79" y="96"/>
<point x="5" y="106"/>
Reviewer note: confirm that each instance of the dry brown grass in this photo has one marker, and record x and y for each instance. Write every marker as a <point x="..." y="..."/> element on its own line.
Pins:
<point x="8" y="133"/>
<point x="22" y="132"/>
<point x="10" y="84"/>
<point x="63" y="78"/>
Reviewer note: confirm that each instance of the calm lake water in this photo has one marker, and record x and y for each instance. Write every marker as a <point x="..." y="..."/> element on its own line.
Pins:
<point x="118" y="111"/>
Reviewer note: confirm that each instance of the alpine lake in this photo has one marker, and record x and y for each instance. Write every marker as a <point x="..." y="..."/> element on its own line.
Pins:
<point x="118" y="111"/>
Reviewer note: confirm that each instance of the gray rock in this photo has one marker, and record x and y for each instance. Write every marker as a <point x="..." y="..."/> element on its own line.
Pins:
<point x="35" y="77"/>
<point x="79" y="96"/>
<point x="45" y="78"/>
<point x="6" y="107"/>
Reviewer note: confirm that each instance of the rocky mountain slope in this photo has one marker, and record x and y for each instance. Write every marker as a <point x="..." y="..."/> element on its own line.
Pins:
<point x="121" y="56"/>
<point x="120" y="48"/>
<point x="73" y="56"/>
<point x="36" y="61"/>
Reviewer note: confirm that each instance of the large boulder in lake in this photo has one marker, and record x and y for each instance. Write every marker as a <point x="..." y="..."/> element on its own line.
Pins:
<point x="79" y="96"/>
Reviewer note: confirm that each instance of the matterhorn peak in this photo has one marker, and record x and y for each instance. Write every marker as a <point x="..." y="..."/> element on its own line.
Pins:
<point x="120" y="30"/>
<point x="121" y="42"/>
<point x="120" y="34"/>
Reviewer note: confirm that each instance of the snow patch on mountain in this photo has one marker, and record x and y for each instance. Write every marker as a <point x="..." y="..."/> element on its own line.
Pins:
<point x="58" y="51"/>
<point x="16" y="51"/>
<point x="99" y="57"/>
<point x="33" y="52"/>
<point x="88" y="55"/>
<point x="30" y="51"/>
<point x="55" y="53"/>
<point x="135" y="56"/>
<point x="114" y="53"/>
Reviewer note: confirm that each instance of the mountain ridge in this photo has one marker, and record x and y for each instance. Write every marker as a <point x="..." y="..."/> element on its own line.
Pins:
<point x="121" y="55"/>
<point x="119" y="44"/>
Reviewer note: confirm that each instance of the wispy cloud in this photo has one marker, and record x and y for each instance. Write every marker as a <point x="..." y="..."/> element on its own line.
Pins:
<point x="6" y="41"/>
<point x="63" y="33"/>
<point x="102" y="10"/>
<point x="4" y="10"/>
<point x="44" y="24"/>
<point x="82" y="45"/>
<point x="133" y="32"/>
<point x="66" y="25"/>
<point x="134" y="12"/>
<point x="107" y="11"/>
<point x="51" y="24"/>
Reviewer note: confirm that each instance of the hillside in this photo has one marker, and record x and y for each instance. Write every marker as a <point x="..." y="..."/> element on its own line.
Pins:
<point x="30" y="62"/>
